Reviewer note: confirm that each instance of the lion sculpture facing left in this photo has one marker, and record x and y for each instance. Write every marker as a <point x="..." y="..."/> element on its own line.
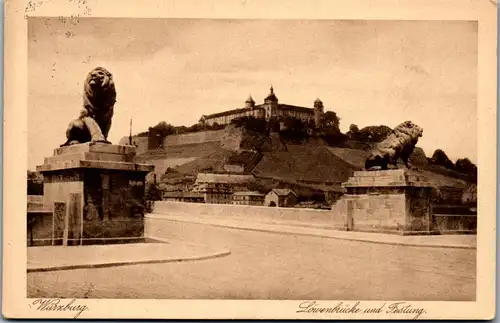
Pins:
<point x="99" y="99"/>
<point x="398" y="145"/>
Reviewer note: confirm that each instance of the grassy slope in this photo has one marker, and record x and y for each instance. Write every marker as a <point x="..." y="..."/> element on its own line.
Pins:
<point x="308" y="163"/>
<point x="304" y="163"/>
<point x="213" y="161"/>
<point x="437" y="175"/>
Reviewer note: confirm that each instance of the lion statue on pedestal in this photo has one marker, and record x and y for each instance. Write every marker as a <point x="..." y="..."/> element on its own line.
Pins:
<point x="99" y="98"/>
<point x="398" y="145"/>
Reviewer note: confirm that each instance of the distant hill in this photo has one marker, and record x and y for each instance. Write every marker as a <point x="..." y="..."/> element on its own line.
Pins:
<point x="309" y="167"/>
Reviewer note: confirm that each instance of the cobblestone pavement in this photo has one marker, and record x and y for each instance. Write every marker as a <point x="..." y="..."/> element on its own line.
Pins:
<point x="266" y="265"/>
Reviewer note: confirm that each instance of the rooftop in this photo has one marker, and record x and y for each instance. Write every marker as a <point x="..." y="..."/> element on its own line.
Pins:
<point x="223" y="178"/>
<point x="271" y="96"/>
<point x="230" y="112"/>
<point x="250" y="100"/>
<point x="249" y="193"/>
<point x="183" y="194"/>
<point x="283" y="191"/>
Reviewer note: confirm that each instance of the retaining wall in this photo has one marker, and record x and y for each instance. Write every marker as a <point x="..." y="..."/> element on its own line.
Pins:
<point x="250" y="213"/>
<point x="335" y="218"/>
<point x="193" y="138"/>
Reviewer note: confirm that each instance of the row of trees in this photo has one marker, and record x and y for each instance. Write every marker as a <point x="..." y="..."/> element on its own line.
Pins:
<point x="291" y="127"/>
<point x="462" y="165"/>
<point x="369" y="133"/>
<point x="294" y="129"/>
<point x="166" y="129"/>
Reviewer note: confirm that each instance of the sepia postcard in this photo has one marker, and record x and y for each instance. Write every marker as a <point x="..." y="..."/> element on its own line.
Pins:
<point x="250" y="159"/>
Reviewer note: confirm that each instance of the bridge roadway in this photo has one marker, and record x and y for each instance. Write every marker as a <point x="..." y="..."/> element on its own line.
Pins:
<point x="265" y="265"/>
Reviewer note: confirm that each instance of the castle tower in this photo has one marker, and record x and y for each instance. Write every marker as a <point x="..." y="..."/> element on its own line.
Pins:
<point x="203" y="120"/>
<point x="318" y="112"/>
<point x="271" y="104"/>
<point x="249" y="103"/>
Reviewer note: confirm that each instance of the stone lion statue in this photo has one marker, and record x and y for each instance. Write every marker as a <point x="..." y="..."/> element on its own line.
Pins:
<point x="399" y="144"/>
<point x="99" y="98"/>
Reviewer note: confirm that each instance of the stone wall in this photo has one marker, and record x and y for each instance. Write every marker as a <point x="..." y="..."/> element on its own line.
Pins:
<point x="140" y="142"/>
<point x="232" y="138"/>
<point x="389" y="212"/>
<point x="96" y="192"/>
<point x="455" y="224"/>
<point x="257" y="213"/>
<point x="384" y="212"/>
<point x="39" y="229"/>
<point x="194" y="138"/>
<point x="229" y="138"/>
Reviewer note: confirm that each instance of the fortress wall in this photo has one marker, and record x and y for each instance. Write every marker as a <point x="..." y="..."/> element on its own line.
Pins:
<point x="194" y="138"/>
<point x="229" y="138"/>
<point x="232" y="138"/>
<point x="142" y="143"/>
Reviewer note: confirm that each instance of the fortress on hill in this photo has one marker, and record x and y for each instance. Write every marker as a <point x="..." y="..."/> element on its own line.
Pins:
<point x="271" y="108"/>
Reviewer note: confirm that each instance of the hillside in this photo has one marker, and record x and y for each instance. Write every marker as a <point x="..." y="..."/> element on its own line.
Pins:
<point x="437" y="175"/>
<point x="355" y="157"/>
<point x="213" y="162"/>
<point x="310" y="166"/>
<point x="306" y="164"/>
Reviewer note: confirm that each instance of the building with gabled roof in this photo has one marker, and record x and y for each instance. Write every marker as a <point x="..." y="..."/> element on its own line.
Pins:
<point x="281" y="197"/>
<point x="248" y="198"/>
<point x="192" y="197"/>
<point x="469" y="195"/>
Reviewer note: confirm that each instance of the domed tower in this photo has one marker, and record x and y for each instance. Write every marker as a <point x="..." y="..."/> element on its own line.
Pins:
<point x="249" y="103"/>
<point x="318" y="112"/>
<point x="271" y="104"/>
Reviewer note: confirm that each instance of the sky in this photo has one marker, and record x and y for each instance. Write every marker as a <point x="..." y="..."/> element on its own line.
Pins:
<point x="369" y="72"/>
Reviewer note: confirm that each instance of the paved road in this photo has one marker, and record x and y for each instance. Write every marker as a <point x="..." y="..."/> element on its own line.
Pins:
<point x="277" y="266"/>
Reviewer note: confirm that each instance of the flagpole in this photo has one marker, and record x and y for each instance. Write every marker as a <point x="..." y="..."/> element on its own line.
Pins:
<point x="130" y="134"/>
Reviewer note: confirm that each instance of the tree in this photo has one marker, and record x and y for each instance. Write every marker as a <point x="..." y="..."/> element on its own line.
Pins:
<point x="194" y="128"/>
<point x="373" y="133"/>
<point x="465" y="166"/>
<point x="294" y="129"/>
<point x="353" y="131"/>
<point x="180" y="130"/>
<point x="164" y="128"/>
<point x="273" y="125"/>
<point x="331" y="120"/>
<point x="418" y="157"/>
<point x="251" y="123"/>
<point x="330" y="129"/>
<point x="441" y="159"/>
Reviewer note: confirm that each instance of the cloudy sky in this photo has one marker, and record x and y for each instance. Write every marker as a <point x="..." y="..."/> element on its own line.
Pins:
<point x="368" y="72"/>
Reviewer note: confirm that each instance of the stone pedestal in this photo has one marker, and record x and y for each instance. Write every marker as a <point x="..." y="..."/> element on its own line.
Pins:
<point x="97" y="191"/>
<point x="392" y="201"/>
